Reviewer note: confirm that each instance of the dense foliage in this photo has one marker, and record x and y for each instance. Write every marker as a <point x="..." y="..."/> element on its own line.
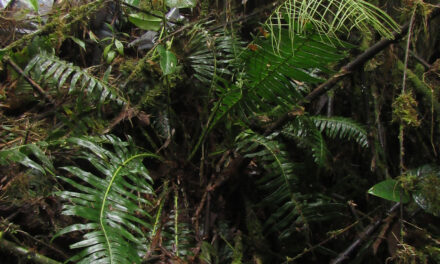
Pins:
<point x="185" y="131"/>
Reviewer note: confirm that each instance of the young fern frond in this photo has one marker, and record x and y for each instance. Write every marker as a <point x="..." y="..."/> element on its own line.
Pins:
<point x="328" y="18"/>
<point x="50" y="67"/>
<point x="112" y="201"/>
<point x="343" y="128"/>
<point x="278" y="183"/>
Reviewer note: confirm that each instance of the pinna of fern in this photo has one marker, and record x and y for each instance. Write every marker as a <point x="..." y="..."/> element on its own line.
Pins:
<point x="111" y="199"/>
<point x="48" y="67"/>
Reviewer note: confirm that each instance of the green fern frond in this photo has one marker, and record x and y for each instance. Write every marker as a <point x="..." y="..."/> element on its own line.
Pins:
<point x="23" y="154"/>
<point x="275" y="79"/>
<point x="279" y="181"/>
<point x="212" y="55"/>
<point x="272" y="79"/>
<point x="50" y="67"/>
<point x="306" y="135"/>
<point x="343" y="128"/>
<point x="111" y="202"/>
<point x="328" y="18"/>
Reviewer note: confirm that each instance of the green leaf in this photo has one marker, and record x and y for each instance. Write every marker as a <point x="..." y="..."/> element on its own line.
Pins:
<point x="79" y="42"/>
<point x="106" y="50"/>
<point x="110" y="56"/>
<point x="119" y="47"/>
<point x="180" y="3"/>
<point x="34" y="4"/>
<point x="132" y="2"/>
<point x="168" y="60"/>
<point x="389" y="190"/>
<point x="93" y="37"/>
<point x="145" y="22"/>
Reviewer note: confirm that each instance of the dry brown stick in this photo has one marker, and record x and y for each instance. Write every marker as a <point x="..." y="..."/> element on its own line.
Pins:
<point x="346" y="70"/>
<point x="34" y="85"/>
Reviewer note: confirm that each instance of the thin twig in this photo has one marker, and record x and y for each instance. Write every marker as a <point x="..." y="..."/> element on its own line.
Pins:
<point x="370" y="229"/>
<point x="34" y="85"/>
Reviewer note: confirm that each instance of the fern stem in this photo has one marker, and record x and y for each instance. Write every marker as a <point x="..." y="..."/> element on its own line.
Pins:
<point x="176" y="220"/>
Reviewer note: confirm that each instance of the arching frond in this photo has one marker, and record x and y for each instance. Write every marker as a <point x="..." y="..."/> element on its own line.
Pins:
<point x="278" y="183"/>
<point x="328" y="17"/>
<point x="212" y="54"/>
<point x="111" y="199"/>
<point x="275" y="80"/>
<point x="50" y="67"/>
<point x="343" y="128"/>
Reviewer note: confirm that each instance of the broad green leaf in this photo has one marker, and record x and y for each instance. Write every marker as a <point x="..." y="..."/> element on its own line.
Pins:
<point x="119" y="47"/>
<point x="106" y="50"/>
<point x="34" y="4"/>
<point x="132" y="2"/>
<point x="180" y="3"/>
<point x="389" y="190"/>
<point x="79" y="42"/>
<point x="168" y="61"/>
<point x="145" y="22"/>
<point x="110" y="56"/>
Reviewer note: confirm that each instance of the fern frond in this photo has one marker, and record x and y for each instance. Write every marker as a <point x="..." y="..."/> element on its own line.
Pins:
<point x="23" y="154"/>
<point x="277" y="79"/>
<point x="306" y="135"/>
<point x="212" y="54"/>
<point x="50" y="67"/>
<point x="109" y="202"/>
<point x="279" y="181"/>
<point x="343" y="128"/>
<point x="328" y="18"/>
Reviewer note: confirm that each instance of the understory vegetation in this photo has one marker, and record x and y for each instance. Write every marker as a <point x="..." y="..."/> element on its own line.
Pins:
<point x="226" y="131"/>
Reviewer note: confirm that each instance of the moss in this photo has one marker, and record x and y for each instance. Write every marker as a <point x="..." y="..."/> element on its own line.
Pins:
<point x="405" y="110"/>
<point x="429" y="188"/>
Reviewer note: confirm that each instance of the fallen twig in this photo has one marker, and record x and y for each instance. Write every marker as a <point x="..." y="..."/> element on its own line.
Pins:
<point x="370" y="229"/>
<point x="34" y="85"/>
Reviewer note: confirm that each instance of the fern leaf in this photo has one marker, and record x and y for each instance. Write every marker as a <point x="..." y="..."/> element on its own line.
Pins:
<point x="276" y="79"/>
<point x="50" y="67"/>
<point x="212" y="54"/>
<point x="108" y="201"/>
<point x="278" y="182"/>
<point x="328" y="18"/>
<point x="343" y="128"/>
<point x="304" y="132"/>
<point x="22" y="154"/>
